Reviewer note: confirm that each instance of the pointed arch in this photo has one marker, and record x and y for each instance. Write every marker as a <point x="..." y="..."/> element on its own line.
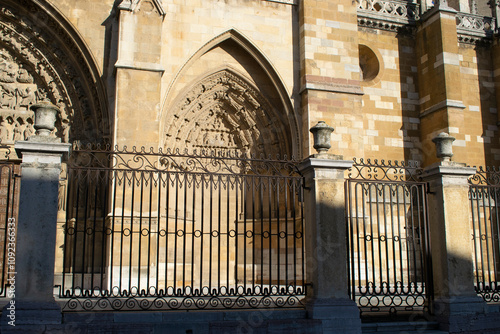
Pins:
<point x="52" y="63"/>
<point x="283" y="106"/>
<point x="223" y="110"/>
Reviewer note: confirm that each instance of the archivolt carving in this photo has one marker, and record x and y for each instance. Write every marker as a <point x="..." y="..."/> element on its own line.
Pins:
<point x="223" y="111"/>
<point x="40" y="61"/>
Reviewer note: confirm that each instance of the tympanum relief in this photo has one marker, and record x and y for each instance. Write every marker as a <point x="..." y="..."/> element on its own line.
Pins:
<point x="225" y="112"/>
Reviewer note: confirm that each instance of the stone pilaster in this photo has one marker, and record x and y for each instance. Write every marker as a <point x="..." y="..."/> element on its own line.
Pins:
<point x="440" y="91"/>
<point x="326" y="245"/>
<point x="138" y="74"/>
<point x="456" y="304"/>
<point x="495" y="53"/>
<point x="329" y="70"/>
<point x="36" y="233"/>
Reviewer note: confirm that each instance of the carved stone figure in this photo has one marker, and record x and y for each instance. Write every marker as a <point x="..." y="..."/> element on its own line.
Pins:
<point x="224" y="112"/>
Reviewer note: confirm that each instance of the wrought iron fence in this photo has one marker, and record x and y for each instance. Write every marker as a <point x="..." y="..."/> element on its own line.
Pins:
<point x="389" y="253"/>
<point x="9" y="207"/>
<point x="484" y="195"/>
<point x="172" y="230"/>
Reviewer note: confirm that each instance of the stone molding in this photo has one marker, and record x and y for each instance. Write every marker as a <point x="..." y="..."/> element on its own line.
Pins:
<point x="134" y="5"/>
<point x="452" y="173"/>
<point x="40" y="148"/>
<point x="326" y="161"/>
<point x="286" y="2"/>
<point x="441" y="105"/>
<point x="140" y="66"/>
<point x="286" y="109"/>
<point x="333" y="87"/>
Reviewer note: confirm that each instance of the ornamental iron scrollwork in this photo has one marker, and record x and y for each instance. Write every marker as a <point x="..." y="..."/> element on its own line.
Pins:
<point x="385" y="171"/>
<point x="194" y="161"/>
<point x="486" y="176"/>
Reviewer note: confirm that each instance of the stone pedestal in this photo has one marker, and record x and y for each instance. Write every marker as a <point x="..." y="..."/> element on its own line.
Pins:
<point x="36" y="232"/>
<point x="326" y="245"/>
<point x="455" y="301"/>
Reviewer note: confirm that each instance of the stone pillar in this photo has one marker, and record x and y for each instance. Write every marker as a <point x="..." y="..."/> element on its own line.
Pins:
<point x="439" y="79"/>
<point x="326" y="244"/>
<point x="329" y="72"/>
<point x="455" y="301"/>
<point x="33" y="298"/>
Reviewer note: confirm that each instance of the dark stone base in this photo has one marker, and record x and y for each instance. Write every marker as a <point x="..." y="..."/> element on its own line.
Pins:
<point x="464" y="315"/>
<point x="30" y="313"/>
<point x="336" y="315"/>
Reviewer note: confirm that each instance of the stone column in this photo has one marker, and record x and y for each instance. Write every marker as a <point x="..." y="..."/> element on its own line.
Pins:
<point x="36" y="229"/>
<point x="455" y="301"/>
<point x="326" y="244"/>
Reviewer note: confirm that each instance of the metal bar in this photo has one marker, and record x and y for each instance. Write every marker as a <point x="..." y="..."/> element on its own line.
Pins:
<point x="202" y="228"/>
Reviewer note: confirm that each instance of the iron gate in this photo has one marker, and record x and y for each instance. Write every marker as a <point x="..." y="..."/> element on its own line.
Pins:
<point x="172" y="230"/>
<point x="388" y="237"/>
<point x="484" y="195"/>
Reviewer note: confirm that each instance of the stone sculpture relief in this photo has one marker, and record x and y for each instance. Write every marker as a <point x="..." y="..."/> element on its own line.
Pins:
<point x="223" y="111"/>
<point x="18" y="91"/>
<point x="34" y="68"/>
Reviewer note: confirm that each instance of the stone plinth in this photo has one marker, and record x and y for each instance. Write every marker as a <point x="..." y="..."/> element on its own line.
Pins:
<point x="455" y="300"/>
<point x="326" y="245"/>
<point x="36" y="232"/>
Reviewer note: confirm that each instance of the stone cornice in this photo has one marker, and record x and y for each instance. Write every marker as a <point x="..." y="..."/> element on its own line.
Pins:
<point x="286" y="2"/>
<point x="441" y="105"/>
<point x="152" y="67"/>
<point x="333" y="87"/>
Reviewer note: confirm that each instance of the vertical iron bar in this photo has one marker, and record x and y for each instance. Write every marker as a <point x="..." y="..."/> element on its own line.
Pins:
<point x="130" y="263"/>
<point x="269" y="213"/>
<point x="184" y="241"/>
<point x="387" y="271"/>
<point x="175" y="231"/>
<point x="236" y="231"/>
<point x="219" y="230"/>
<point x="486" y="237"/>
<point x="85" y="228"/>
<point x="287" y="251"/>
<point x="122" y="233"/>
<point x="393" y="242"/>
<point x="202" y="228"/>
<point x="150" y="233"/>
<point x="104" y="234"/>
<point x="194" y="177"/>
<point x="94" y="232"/>
<point x="227" y="229"/>
<point x="66" y="229"/>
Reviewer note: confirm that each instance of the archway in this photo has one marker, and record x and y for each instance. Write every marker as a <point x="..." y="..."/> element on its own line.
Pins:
<point x="42" y="58"/>
<point x="223" y="111"/>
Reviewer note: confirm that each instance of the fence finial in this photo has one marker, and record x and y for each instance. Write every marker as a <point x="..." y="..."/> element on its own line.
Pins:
<point x="444" y="150"/>
<point x="322" y="133"/>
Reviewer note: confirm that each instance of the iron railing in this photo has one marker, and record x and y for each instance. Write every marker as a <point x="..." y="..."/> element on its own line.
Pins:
<point x="172" y="230"/>
<point x="484" y="195"/>
<point x="389" y="252"/>
<point x="9" y="207"/>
